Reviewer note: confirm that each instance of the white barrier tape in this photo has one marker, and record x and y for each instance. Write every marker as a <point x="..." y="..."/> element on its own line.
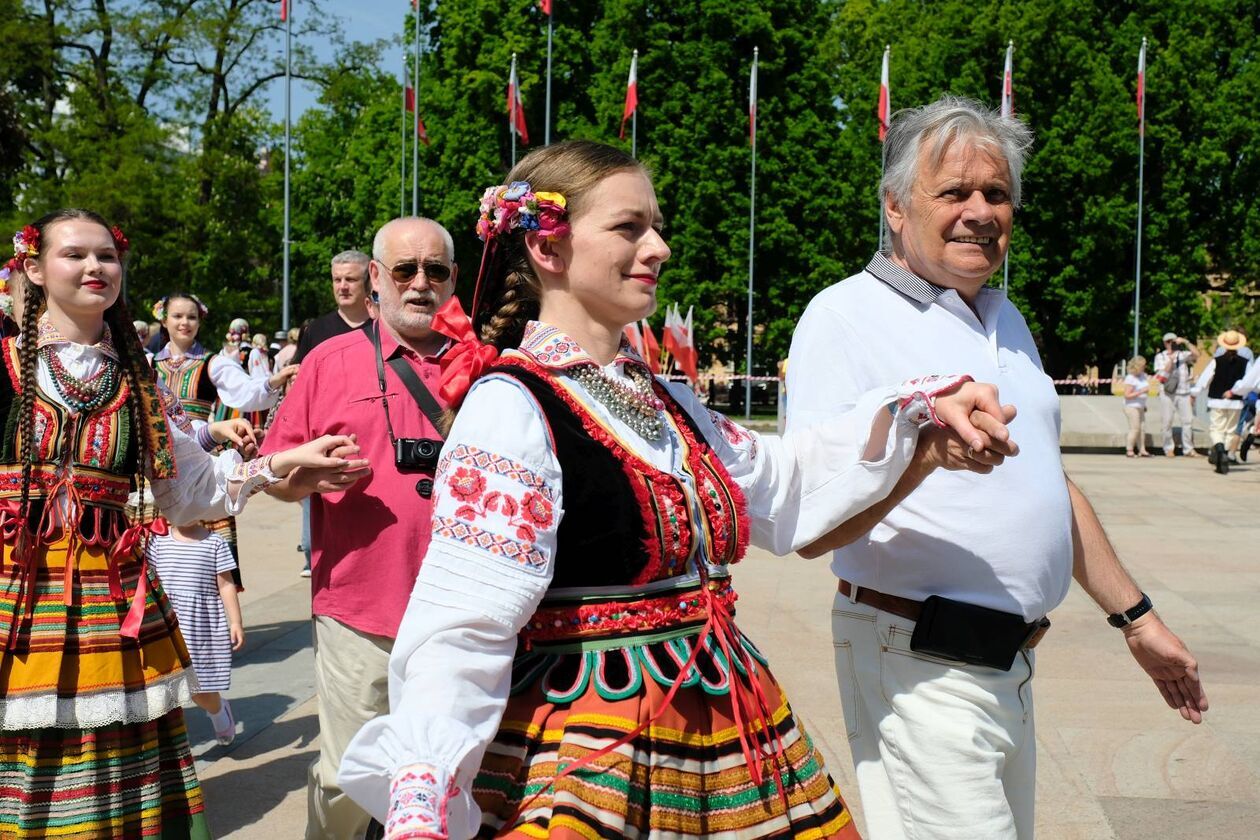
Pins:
<point x="1082" y="381"/>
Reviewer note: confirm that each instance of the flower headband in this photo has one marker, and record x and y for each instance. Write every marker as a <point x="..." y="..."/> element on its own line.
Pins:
<point x="516" y="205"/>
<point x="159" y="308"/>
<point x="26" y="245"/>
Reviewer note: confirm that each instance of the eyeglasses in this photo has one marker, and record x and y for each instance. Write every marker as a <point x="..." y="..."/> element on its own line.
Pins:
<point x="405" y="272"/>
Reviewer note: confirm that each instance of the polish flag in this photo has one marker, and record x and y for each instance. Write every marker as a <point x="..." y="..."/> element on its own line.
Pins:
<point x="545" y="5"/>
<point x="686" y="354"/>
<point x="652" y="350"/>
<point x="669" y="338"/>
<point x="632" y="93"/>
<point x="421" y="131"/>
<point x="752" y="101"/>
<point x="515" y="108"/>
<point x="1008" y="90"/>
<point x="1141" y="89"/>
<point x="635" y="338"/>
<point x="885" y="97"/>
<point x="284" y="10"/>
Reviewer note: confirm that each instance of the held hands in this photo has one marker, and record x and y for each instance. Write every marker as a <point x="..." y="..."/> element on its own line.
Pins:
<point x="974" y="437"/>
<point x="240" y="433"/>
<point x="327" y="453"/>
<point x="1169" y="664"/>
<point x="278" y="379"/>
<point x="333" y="479"/>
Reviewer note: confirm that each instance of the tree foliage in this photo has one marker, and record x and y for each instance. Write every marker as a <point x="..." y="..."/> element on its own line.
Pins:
<point x="149" y="111"/>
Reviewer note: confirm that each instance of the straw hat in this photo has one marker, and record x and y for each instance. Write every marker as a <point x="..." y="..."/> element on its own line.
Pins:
<point x="1232" y="340"/>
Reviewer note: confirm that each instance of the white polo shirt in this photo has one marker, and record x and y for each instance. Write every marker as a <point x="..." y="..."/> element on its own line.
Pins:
<point x="1002" y="540"/>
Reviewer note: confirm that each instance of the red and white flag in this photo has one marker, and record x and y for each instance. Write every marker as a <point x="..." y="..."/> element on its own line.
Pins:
<point x="421" y="131"/>
<point x="669" y="334"/>
<point x="1141" y="89"/>
<point x="632" y="93"/>
<point x="685" y="354"/>
<point x="515" y="107"/>
<point x="651" y="349"/>
<point x="635" y="338"/>
<point x="284" y="10"/>
<point x="752" y="101"/>
<point x="885" y="96"/>
<point x="1008" y="90"/>
<point x="545" y="5"/>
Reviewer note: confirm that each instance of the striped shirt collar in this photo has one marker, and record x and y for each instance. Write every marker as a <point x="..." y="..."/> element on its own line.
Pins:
<point x="907" y="282"/>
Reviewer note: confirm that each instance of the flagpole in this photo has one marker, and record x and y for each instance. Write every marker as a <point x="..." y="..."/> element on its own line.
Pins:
<point x="634" y="134"/>
<point x="288" y="148"/>
<point x="885" y="115"/>
<point x="512" y="83"/>
<point x="752" y="218"/>
<point x="415" y="144"/>
<point x="1008" y="110"/>
<point x="547" y="122"/>
<point x="402" y="155"/>
<point x="1137" y="275"/>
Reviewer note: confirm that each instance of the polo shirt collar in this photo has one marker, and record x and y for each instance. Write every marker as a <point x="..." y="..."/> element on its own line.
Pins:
<point x="553" y="348"/>
<point x="907" y="282"/>
<point x="391" y="347"/>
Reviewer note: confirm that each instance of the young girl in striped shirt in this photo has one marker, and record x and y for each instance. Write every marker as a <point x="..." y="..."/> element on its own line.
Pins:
<point x="195" y="566"/>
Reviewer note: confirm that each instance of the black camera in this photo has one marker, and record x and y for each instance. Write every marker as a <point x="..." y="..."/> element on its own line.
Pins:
<point x="416" y="453"/>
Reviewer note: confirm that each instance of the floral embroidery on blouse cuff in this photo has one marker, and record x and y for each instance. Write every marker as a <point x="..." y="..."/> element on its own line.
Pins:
<point x="916" y="398"/>
<point x="418" y="799"/>
<point x="249" y="477"/>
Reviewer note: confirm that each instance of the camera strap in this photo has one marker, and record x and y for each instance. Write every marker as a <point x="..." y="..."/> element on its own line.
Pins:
<point x="415" y="386"/>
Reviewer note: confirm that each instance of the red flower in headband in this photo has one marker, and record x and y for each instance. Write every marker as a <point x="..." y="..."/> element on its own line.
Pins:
<point x="121" y="242"/>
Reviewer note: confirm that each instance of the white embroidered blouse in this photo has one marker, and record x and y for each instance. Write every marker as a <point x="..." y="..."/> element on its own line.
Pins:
<point x="488" y="566"/>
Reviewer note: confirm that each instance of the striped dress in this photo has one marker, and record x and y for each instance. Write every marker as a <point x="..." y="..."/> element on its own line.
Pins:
<point x="189" y="574"/>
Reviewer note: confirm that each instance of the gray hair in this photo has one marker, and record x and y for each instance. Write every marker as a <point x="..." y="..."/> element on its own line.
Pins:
<point x="945" y="121"/>
<point x="378" y="242"/>
<point x="352" y="258"/>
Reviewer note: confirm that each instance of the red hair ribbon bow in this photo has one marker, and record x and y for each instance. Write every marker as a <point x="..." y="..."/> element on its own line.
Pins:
<point x="126" y="546"/>
<point x="467" y="360"/>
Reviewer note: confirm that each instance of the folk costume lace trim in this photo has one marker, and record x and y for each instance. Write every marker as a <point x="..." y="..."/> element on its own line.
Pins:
<point x="88" y="711"/>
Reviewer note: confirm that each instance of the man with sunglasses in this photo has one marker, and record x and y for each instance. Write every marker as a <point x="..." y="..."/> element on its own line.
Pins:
<point x="369" y="522"/>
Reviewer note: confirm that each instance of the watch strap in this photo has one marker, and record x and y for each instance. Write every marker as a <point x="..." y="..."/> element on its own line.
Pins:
<point x="1132" y="614"/>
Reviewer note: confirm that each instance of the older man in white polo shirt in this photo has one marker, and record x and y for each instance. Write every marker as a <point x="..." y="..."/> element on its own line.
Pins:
<point x="945" y="585"/>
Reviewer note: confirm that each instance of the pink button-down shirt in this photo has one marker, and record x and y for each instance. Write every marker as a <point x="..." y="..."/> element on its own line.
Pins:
<point x="366" y="542"/>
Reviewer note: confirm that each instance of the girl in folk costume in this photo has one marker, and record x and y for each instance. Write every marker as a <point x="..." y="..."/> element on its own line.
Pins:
<point x="92" y="672"/>
<point x="569" y="665"/>
<point x="204" y="383"/>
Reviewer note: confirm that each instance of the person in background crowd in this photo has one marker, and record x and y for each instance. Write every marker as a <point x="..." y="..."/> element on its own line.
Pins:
<point x="142" y="330"/>
<point x="1225" y="373"/>
<point x="945" y="584"/>
<point x="1137" y="386"/>
<point x="1176" y="403"/>
<point x="284" y="356"/>
<point x="259" y="363"/>
<point x="350" y="292"/>
<point x="369" y="530"/>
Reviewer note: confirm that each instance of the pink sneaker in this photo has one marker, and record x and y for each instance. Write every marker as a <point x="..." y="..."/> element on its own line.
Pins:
<point x="227" y="734"/>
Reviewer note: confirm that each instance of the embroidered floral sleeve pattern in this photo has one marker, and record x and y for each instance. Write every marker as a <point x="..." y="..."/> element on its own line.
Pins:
<point x="418" y="798"/>
<point x="737" y="436"/>
<point x="495" y="505"/>
<point x="250" y="477"/>
<point x="917" y="397"/>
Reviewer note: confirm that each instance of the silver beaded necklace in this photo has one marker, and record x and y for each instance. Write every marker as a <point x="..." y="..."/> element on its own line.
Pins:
<point x="632" y="402"/>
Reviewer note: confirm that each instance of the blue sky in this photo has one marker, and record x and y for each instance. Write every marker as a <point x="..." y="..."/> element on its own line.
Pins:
<point x="361" y="20"/>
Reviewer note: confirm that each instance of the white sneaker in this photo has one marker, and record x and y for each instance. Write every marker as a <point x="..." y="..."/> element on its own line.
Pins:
<point x="306" y="572"/>
<point x="227" y="734"/>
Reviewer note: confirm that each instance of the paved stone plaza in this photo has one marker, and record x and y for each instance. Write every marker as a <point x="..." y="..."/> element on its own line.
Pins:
<point x="1114" y="761"/>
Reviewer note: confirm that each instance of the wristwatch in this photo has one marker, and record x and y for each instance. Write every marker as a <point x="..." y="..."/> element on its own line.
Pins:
<point x="1132" y="614"/>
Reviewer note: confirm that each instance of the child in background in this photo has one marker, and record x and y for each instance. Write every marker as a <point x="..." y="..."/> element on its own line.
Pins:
<point x="195" y="567"/>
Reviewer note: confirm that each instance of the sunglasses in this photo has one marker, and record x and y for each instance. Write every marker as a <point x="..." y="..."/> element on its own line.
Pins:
<point x="405" y="272"/>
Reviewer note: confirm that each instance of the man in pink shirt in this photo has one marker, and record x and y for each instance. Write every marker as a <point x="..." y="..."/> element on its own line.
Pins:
<point x="369" y="527"/>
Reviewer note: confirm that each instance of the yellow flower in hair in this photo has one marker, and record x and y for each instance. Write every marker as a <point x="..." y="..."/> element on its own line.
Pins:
<point x="554" y="198"/>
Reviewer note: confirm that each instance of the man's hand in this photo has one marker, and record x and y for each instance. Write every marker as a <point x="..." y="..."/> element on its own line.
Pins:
<point x="1166" y="660"/>
<point x="961" y="408"/>
<point x="944" y="449"/>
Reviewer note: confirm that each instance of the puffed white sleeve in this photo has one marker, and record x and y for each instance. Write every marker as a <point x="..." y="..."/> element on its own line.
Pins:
<point x="1205" y="378"/>
<point x="803" y="484"/>
<point x="496" y="506"/>
<point x="237" y="388"/>
<point x="208" y="486"/>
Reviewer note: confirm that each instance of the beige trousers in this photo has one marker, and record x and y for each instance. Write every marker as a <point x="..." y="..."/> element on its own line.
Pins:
<point x="1223" y="423"/>
<point x="351" y="680"/>
<point x="1136" y="440"/>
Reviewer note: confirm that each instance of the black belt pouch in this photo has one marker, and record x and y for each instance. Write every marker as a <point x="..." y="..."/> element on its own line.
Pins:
<point x="976" y="635"/>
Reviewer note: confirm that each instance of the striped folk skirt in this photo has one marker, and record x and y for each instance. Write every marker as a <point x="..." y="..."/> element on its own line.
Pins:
<point x="92" y="738"/>
<point x="684" y="776"/>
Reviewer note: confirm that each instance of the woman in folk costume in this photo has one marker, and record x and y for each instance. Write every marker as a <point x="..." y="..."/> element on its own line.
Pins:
<point x="92" y="673"/>
<point x="205" y="383"/>
<point x="569" y="665"/>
